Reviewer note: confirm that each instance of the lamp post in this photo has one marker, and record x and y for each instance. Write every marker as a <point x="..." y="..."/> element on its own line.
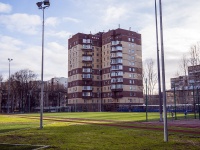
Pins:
<point x="194" y="101"/>
<point x="42" y="5"/>
<point x="163" y="76"/>
<point x="146" y="101"/>
<point x="9" y="59"/>
<point x="158" y="65"/>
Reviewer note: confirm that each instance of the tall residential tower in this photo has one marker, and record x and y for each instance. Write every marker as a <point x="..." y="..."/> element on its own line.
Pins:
<point x="105" y="71"/>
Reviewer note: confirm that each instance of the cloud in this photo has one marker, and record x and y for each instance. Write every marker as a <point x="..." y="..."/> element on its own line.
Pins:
<point x="5" y="8"/>
<point x="114" y="13"/>
<point x="71" y="19"/>
<point x="52" y="21"/>
<point x="22" y="23"/>
<point x="58" y="34"/>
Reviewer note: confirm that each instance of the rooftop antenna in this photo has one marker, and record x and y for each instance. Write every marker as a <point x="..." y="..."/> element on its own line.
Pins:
<point x="119" y="25"/>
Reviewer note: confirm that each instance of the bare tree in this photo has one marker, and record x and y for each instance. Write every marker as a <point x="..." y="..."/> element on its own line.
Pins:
<point x="195" y="54"/>
<point x="184" y="64"/>
<point x="21" y="84"/>
<point x="1" y="78"/>
<point x="151" y="76"/>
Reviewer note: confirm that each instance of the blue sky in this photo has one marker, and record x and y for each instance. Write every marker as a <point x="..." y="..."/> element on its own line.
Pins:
<point x="20" y="30"/>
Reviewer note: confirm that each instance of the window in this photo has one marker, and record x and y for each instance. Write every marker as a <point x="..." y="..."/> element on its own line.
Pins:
<point x="132" y="40"/>
<point x="129" y="39"/>
<point x="130" y="81"/>
<point x="132" y="51"/>
<point x="129" y="69"/>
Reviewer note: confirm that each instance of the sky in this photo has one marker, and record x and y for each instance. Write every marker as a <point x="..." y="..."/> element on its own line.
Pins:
<point x="21" y="30"/>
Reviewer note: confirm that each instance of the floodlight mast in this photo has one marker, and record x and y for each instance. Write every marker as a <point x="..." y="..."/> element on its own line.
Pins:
<point x="42" y="5"/>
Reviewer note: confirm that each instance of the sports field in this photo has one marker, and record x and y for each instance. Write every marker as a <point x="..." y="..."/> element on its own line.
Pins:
<point x="97" y="131"/>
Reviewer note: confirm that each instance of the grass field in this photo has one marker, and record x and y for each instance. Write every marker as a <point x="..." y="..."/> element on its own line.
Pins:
<point x="76" y="131"/>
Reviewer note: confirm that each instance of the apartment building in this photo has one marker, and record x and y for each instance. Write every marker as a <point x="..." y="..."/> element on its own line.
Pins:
<point x="185" y="87"/>
<point x="105" y="71"/>
<point x="194" y="75"/>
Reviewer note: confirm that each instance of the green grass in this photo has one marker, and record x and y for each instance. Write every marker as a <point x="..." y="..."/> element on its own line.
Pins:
<point x="17" y="147"/>
<point x="73" y="136"/>
<point x="117" y="116"/>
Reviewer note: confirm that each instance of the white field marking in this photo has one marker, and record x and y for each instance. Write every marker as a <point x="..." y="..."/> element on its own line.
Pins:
<point x="40" y="146"/>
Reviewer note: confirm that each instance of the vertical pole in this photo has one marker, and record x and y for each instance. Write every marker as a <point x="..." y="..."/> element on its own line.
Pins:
<point x="198" y="103"/>
<point x="8" y="89"/>
<point x="158" y="66"/>
<point x="175" y="102"/>
<point x="42" y="84"/>
<point x="194" y="102"/>
<point x="146" y="101"/>
<point x="163" y="76"/>
<point x="29" y="101"/>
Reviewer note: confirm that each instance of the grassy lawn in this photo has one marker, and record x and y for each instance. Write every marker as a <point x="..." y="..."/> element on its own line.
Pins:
<point x="73" y="136"/>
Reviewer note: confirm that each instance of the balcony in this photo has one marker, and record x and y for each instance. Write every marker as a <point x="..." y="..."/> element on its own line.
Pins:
<point x="87" y="41"/>
<point x="117" y="80"/>
<point x="114" y="43"/>
<point x="116" y="74"/>
<point x="87" y="77"/>
<point x="115" y="55"/>
<point x="87" y="59"/>
<point x="116" y="67"/>
<point x="87" y="88"/>
<point x="87" y="47"/>
<point x="116" y="62"/>
<point x="117" y="48"/>
<point x="87" y="70"/>
<point x="86" y="95"/>
<point x="116" y="87"/>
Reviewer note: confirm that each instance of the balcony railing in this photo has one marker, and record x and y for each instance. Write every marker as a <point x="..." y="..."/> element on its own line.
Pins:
<point x="117" y="80"/>
<point x="87" y="47"/>
<point x="87" y="94"/>
<point x="115" y="42"/>
<point x="87" y="70"/>
<point x="87" y="76"/>
<point x="116" y="86"/>
<point x="87" y="88"/>
<point x="118" y="48"/>
<point x="87" y="59"/>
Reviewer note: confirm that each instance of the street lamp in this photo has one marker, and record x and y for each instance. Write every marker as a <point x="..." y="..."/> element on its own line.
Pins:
<point x="9" y="59"/>
<point x="158" y="66"/>
<point x="163" y="75"/>
<point x="42" y="5"/>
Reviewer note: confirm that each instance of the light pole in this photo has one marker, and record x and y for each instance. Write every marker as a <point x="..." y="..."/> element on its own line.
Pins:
<point x="146" y="101"/>
<point x="163" y="76"/>
<point x="9" y="59"/>
<point x="158" y="65"/>
<point x="42" y="5"/>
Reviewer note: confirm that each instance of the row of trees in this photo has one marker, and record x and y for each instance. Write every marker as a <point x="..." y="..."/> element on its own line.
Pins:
<point x="25" y="92"/>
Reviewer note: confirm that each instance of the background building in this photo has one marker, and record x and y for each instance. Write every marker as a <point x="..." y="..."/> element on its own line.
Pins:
<point x="105" y="71"/>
